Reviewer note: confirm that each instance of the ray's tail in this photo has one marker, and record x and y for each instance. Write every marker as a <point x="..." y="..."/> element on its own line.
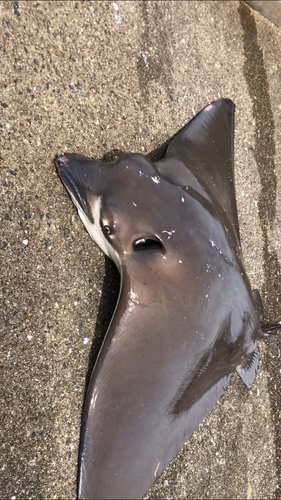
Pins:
<point x="266" y="328"/>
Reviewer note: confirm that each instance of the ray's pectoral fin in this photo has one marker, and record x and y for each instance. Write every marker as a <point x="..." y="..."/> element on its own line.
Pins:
<point x="247" y="371"/>
<point x="205" y="147"/>
<point x="175" y="172"/>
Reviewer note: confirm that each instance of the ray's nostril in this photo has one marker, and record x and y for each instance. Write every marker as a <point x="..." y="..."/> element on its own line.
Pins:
<point x="61" y="161"/>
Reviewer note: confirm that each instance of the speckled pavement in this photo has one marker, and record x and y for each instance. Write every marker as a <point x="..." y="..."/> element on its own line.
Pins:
<point x="98" y="78"/>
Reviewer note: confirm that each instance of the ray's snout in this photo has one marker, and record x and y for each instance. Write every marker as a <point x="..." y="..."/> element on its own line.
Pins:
<point x="78" y="173"/>
<point x="75" y="163"/>
<point x="61" y="161"/>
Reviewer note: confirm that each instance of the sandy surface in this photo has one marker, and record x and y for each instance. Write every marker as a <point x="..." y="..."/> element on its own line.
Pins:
<point x="96" y="77"/>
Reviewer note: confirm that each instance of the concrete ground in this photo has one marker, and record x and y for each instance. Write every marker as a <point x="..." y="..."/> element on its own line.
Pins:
<point x="97" y="77"/>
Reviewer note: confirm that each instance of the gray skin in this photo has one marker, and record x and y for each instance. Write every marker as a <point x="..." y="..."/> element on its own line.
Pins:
<point x="185" y="318"/>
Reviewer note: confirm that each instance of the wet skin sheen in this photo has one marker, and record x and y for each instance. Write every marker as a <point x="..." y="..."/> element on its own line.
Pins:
<point x="185" y="318"/>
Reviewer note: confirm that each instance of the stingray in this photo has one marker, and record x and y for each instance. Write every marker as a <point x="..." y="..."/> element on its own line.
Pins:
<point x="186" y="317"/>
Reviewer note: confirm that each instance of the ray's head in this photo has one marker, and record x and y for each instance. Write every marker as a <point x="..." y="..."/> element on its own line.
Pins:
<point x="121" y="204"/>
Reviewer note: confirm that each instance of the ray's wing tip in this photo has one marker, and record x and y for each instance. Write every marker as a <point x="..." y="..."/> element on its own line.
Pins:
<point x="224" y="102"/>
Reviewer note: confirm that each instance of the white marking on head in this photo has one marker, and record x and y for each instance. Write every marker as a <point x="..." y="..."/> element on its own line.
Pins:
<point x="156" y="179"/>
<point x="182" y="199"/>
<point x="95" y="230"/>
<point x="170" y="233"/>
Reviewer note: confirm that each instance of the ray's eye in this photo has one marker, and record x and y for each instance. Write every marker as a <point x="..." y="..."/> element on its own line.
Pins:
<point x="107" y="229"/>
